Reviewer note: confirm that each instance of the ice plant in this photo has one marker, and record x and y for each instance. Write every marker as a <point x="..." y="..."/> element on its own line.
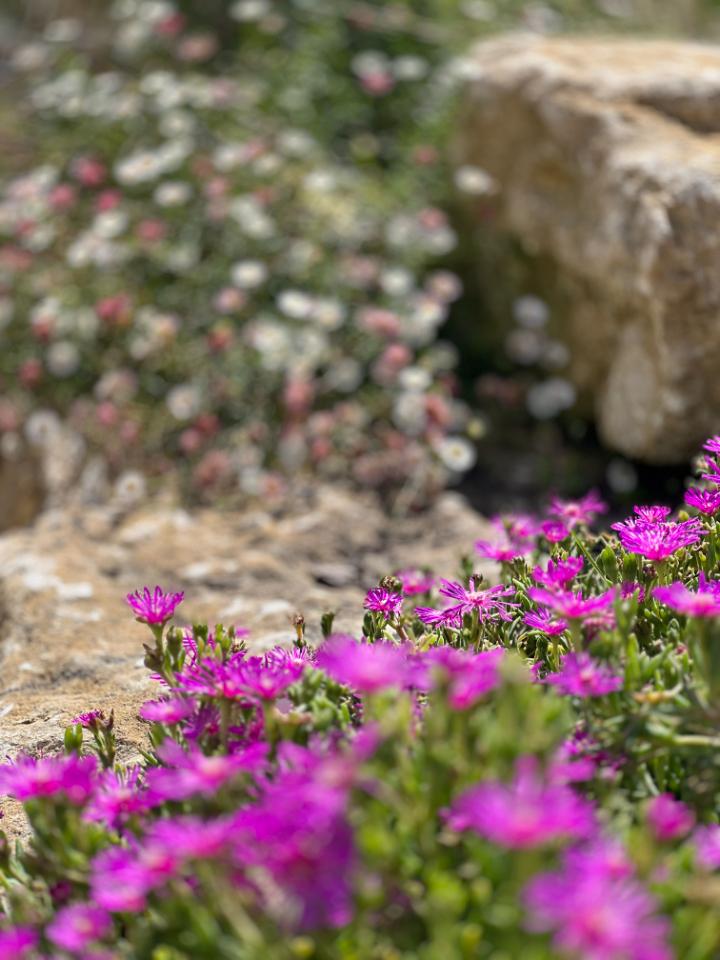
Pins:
<point x="544" y="621"/>
<point x="654" y="537"/>
<point x="576" y="512"/>
<point x="78" y="925"/>
<point x="596" y="909"/>
<point x="703" y="602"/>
<point x="63" y="777"/>
<point x="668" y="818"/>
<point x="582" y="676"/>
<point x="558" y="573"/>
<point x="365" y="667"/>
<point x="707" y="846"/>
<point x="154" y="607"/>
<point x="384" y="601"/>
<point x="528" y="812"/>
<point x="705" y="501"/>
<point x="572" y="605"/>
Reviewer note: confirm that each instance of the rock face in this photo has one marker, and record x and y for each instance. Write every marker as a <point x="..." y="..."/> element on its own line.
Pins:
<point x="69" y="641"/>
<point x="605" y="155"/>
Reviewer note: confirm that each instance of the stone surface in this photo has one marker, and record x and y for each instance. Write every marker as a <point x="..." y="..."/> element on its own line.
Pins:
<point x="70" y="644"/>
<point x="605" y="163"/>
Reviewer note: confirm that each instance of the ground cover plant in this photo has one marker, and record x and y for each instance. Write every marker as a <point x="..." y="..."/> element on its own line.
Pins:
<point x="524" y="768"/>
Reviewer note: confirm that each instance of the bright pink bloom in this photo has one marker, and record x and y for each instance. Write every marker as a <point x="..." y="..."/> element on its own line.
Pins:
<point x="581" y="676"/>
<point x="596" y="909"/>
<point x="415" y="582"/>
<point x="558" y="572"/>
<point x="156" y="607"/>
<point x="713" y="444"/>
<point x="571" y="605"/>
<point x="668" y="818"/>
<point x="654" y="537"/>
<point x="91" y="720"/>
<point x="243" y="678"/>
<point x="365" y="667"/>
<point x="707" y="846"/>
<point x="70" y="777"/>
<point x="706" y="501"/>
<point x="555" y="531"/>
<point x="77" y="925"/>
<point x="117" y="798"/>
<point x="191" y="772"/>
<point x="121" y="878"/>
<point x="544" y="621"/>
<point x="704" y="602"/>
<point x="575" y="512"/>
<point x="529" y="812"/>
<point x="169" y="711"/>
<point x="488" y="602"/>
<point x="383" y="601"/>
<point x="468" y="676"/>
<point x="502" y="551"/>
<point x="17" y="942"/>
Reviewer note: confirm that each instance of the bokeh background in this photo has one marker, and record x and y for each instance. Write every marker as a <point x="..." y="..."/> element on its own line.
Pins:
<point x="236" y="253"/>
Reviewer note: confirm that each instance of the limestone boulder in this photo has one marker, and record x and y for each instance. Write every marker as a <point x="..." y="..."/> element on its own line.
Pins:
<point x="603" y="157"/>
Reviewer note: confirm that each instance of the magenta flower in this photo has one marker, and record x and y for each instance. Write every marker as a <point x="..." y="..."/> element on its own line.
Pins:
<point x="17" y="942"/>
<point x="558" y="573"/>
<point x="581" y="676"/>
<point x="529" y="812"/>
<point x="70" y="777"/>
<point x="657" y="539"/>
<point x="383" y="601"/>
<point x="544" y="621"/>
<point x="296" y="840"/>
<point x="431" y="617"/>
<point x="118" y="797"/>
<point x="243" y="678"/>
<point x="572" y="606"/>
<point x="655" y="514"/>
<point x="575" y="512"/>
<point x="191" y="838"/>
<point x="90" y="720"/>
<point x="517" y="526"/>
<point x="596" y="909"/>
<point x="468" y="676"/>
<point x="154" y="608"/>
<point x="191" y="773"/>
<point x="415" y="582"/>
<point x="704" y="602"/>
<point x="707" y="846"/>
<point x="706" y="501"/>
<point x="78" y="925"/>
<point x="365" y="667"/>
<point x="122" y="877"/>
<point x="488" y="603"/>
<point x="668" y="818"/>
<point x="503" y="550"/>
<point x="169" y="711"/>
<point x="712" y="445"/>
<point x="555" y="531"/>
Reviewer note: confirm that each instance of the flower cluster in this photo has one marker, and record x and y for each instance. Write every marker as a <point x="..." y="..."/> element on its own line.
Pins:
<point x="444" y="771"/>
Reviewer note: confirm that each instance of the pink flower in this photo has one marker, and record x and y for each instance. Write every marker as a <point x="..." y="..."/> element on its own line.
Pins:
<point x="365" y="667"/>
<point x="383" y="601"/>
<point x="117" y="798"/>
<point x="707" y="846"/>
<point x="415" y="582"/>
<point x="79" y="924"/>
<point x="571" y="605"/>
<point x="558" y="572"/>
<point x="543" y="621"/>
<point x="488" y="602"/>
<point x="555" y="531"/>
<point x="575" y="512"/>
<point x="581" y="676"/>
<point x="529" y="812"/>
<point x="70" y="777"/>
<point x="705" y="602"/>
<point x="190" y="773"/>
<point x="169" y="711"/>
<point x="706" y="501"/>
<point x="468" y="676"/>
<point x="596" y="909"/>
<point x="668" y="818"/>
<point x="91" y="720"/>
<point x="156" y="607"/>
<point x="121" y="878"/>
<point x="17" y="942"/>
<point x="713" y="444"/>
<point x="502" y="551"/>
<point x="654" y="537"/>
